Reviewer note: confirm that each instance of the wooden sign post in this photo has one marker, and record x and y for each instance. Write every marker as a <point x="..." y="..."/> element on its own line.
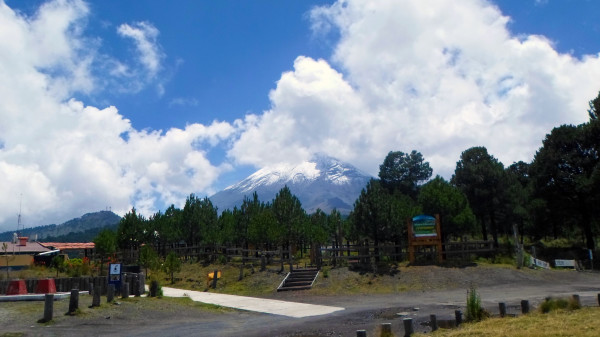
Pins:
<point x="424" y="230"/>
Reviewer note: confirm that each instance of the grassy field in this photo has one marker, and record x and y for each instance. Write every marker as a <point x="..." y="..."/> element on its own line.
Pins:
<point x="581" y="323"/>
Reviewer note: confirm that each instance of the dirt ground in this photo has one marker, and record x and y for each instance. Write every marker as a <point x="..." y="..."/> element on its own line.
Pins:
<point x="420" y="291"/>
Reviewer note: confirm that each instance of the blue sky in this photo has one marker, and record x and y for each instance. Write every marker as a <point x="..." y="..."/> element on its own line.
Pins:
<point x="140" y="103"/>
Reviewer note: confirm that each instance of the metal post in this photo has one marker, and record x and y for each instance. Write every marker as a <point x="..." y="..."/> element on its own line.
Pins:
<point x="502" y="307"/>
<point x="48" y="307"/>
<point x="125" y="290"/>
<point x="433" y="322"/>
<point x="73" y="301"/>
<point x="458" y="317"/>
<point x="96" y="296"/>
<point x="576" y="300"/>
<point x="408" y="327"/>
<point x="110" y="293"/>
<point x="386" y="329"/>
<point x="215" y="277"/>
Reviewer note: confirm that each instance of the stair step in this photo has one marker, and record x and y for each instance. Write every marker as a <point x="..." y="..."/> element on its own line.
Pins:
<point x="294" y="288"/>
<point x="297" y="283"/>
<point x="299" y="279"/>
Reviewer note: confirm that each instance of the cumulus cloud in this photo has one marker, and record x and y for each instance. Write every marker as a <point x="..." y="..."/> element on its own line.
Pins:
<point x="435" y="76"/>
<point x="67" y="158"/>
<point x="145" y="35"/>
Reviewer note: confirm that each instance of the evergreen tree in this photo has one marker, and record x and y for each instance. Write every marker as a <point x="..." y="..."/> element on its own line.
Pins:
<point x="440" y="197"/>
<point x="404" y="172"/>
<point x="479" y="176"/>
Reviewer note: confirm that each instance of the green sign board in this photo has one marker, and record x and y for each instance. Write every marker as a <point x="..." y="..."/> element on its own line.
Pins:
<point x="423" y="226"/>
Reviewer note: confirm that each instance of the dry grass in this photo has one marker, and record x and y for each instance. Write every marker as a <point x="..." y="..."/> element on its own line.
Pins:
<point x="581" y="323"/>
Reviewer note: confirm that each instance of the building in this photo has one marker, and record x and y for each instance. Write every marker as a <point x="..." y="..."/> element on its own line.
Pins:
<point x="19" y="254"/>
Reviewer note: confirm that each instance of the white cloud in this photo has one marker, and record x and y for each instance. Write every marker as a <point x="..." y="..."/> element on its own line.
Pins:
<point x="181" y="101"/>
<point x="145" y="35"/>
<point x="435" y="76"/>
<point x="66" y="158"/>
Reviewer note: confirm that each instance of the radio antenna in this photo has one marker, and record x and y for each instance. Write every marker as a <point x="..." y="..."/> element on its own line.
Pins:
<point x="19" y="217"/>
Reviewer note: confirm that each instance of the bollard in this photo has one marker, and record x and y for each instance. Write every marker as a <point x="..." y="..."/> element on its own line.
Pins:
<point x="576" y="301"/>
<point x="458" y="317"/>
<point x="96" y="297"/>
<point x="263" y="263"/>
<point x="153" y="288"/>
<point x="215" y="277"/>
<point x="433" y="322"/>
<point x="125" y="290"/>
<point x="73" y="302"/>
<point x="48" y="308"/>
<point x="386" y="330"/>
<point x="524" y="306"/>
<point x="361" y="333"/>
<point x="142" y="283"/>
<point x="110" y="293"/>
<point x="408" y="327"/>
<point x="241" y="273"/>
<point x="136" y="286"/>
<point x="502" y="307"/>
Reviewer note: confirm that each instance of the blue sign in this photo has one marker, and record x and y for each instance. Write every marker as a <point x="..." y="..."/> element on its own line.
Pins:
<point x="114" y="275"/>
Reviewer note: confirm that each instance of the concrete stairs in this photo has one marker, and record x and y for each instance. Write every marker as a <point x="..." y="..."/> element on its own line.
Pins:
<point x="299" y="279"/>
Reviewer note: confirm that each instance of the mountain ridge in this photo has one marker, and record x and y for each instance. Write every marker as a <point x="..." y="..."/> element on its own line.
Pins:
<point x="322" y="182"/>
<point x="84" y="223"/>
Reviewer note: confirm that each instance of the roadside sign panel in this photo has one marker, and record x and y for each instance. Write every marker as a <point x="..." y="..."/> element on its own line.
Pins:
<point x="565" y="263"/>
<point x="424" y="225"/>
<point x="540" y="263"/>
<point x="114" y="275"/>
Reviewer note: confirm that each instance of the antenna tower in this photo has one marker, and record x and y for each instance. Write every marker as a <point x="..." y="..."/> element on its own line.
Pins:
<point x="19" y="225"/>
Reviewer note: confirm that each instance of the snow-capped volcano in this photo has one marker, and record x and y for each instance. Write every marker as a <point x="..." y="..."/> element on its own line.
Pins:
<point x="323" y="182"/>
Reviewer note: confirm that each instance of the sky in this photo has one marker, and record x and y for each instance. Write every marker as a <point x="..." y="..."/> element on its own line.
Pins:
<point x="121" y="104"/>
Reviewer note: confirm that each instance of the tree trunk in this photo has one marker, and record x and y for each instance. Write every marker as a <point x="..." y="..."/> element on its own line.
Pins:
<point x="494" y="228"/>
<point x="483" y="228"/>
<point x="587" y="230"/>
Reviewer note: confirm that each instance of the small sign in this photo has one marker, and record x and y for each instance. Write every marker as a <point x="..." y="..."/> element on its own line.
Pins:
<point x="424" y="225"/>
<point x="564" y="263"/>
<point x="115" y="269"/>
<point x="114" y="275"/>
<point x="540" y="263"/>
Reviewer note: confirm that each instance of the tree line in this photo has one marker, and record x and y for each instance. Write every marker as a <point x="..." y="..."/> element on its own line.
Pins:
<point x="556" y="195"/>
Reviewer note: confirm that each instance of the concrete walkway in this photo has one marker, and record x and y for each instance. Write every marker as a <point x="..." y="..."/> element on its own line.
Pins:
<point x="268" y="306"/>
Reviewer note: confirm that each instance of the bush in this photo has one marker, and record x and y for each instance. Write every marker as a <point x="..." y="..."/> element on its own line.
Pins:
<point x="475" y="312"/>
<point x="77" y="267"/>
<point x="551" y="304"/>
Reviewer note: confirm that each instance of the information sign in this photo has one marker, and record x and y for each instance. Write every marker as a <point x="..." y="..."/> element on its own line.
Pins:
<point x="114" y="275"/>
<point x="564" y="263"/>
<point x="424" y="225"/>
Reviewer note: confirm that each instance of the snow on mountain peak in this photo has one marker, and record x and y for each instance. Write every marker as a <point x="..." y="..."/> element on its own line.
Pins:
<point x="323" y="182"/>
<point x="306" y="171"/>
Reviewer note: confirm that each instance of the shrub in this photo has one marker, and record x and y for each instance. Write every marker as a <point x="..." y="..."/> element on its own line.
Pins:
<point x="551" y="304"/>
<point x="475" y="312"/>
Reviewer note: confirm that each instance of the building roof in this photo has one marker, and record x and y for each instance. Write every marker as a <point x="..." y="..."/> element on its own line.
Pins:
<point x="68" y="245"/>
<point x="16" y="248"/>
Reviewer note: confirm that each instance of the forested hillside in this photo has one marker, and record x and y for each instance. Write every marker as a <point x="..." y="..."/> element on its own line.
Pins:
<point x="91" y="222"/>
